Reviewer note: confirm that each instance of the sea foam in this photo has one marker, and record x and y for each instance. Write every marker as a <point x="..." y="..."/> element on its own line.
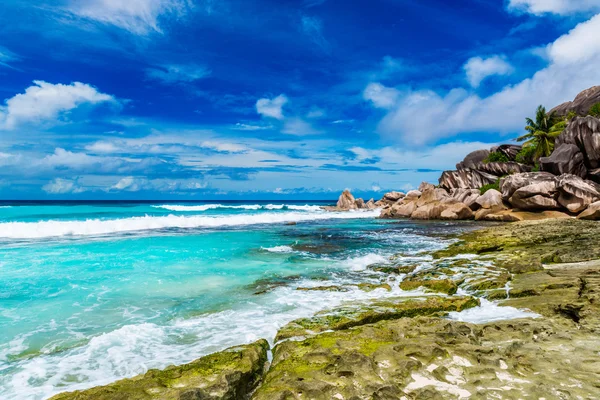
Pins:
<point x="206" y="207"/>
<point x="94" y="227"/>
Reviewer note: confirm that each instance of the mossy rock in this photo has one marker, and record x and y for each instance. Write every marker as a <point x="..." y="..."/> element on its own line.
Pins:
<point x="361" y="313"/>
<point x="232" y="374"/>
<point x="369" y="287"/>
<point x="393" y="269"/>
<point x="433" y="358"/>
<point x="332" y="288"/>
<point x="447" y="286"/>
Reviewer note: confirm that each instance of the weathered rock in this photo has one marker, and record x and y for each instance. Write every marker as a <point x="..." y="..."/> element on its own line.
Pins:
<point x="594" y="175"/>
<point x="429" y="211"/>
<point x="490" y="199"/>
<point x="515" y="215"/>
<point x="431" y="195"/>
<point x="502" y="168"/>
<point x="412" y="195"/>
<point x="371" y="204"/>
<point x="457" y="211"/>
<point x="447" y="286"/>
<point x="592" y="212"/>
<point x="531" y="191"/>
<point x="466" y="196"/>
<point x="360" y="203"/>
<point x="465" y="179"/>
<point x="393" y="197"/>
<point x="425" y="186"/>
<point x="565" y="159"/>
<point x="229" y="375"/>
<point x="582" y="103"/>
<point x="575" y="194"/>
<point x="583" y="132"/>
<point x="346" y="201"/>
<point x="368" y="312"/>
<point x="472" y="159"/>
<point x="537" y="196"/>
<point x="399" y="210"/>
<point x="509" y="150"/>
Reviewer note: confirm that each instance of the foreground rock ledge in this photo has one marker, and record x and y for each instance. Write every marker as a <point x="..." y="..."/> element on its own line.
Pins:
<point x="231" y="374"/>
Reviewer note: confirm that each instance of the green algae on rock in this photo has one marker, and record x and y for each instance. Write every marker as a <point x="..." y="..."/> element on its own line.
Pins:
<point x="433" y="358"/>
<point x="447" y="286"/>
<point x="356" y="314"/>
<point x="231" y="374"/>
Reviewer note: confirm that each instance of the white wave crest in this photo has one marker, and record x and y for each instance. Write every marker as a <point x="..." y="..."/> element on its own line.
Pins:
<point x="95" y="227"/>
<point x="490" y="312"/>
<point x="361" y="263"/>
<point x="206" y="207"/>
<point x="278" y="249"/>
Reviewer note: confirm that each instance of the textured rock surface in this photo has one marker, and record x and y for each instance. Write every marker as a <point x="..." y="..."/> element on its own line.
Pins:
<point x="346" y="201"/>
<point x="510" y="184"/>
<point x="370" y="204"/>
<point x="457" y="211"/>
<point x="413" y="195"/>
<point x="581" y="104"/>
<point x="472" y="159"/>
<point x="228" y="375"/>
<point x="360" y="203"/>
<point x="565" y="159"/>
<point x="575" y="194"/>
<point x="537" y="196"/>
<point x="401" y="210"/>
<point x="431" y="210"/>
<point x="465" y="179"/>
<point x="431" y="195"/>
<point x="585" y="134"/>
<point x="509" y="150"/>
<point x="392" y="197"/>
<point x="466" y="196"/>
<point x="425" y="186"/>
<point x="491" y="199"/>
<point x="592" y="212"/>
<point x="502" y="168"/>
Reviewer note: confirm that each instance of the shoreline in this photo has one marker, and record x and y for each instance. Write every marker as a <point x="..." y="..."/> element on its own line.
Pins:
<point x="513" y="265"/>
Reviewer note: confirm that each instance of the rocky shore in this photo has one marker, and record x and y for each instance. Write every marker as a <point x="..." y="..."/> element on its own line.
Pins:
<point x="418" y="347"/>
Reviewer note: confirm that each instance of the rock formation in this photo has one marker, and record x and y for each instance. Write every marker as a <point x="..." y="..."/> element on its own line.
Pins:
<point x="566" y="159"/>
<point x="346" y="201"/>
<point x="582" y="103"/>
<point x="466" y="179"/>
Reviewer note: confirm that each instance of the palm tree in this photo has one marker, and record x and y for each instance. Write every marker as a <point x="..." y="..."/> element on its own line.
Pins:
<point x="541" y="133"/>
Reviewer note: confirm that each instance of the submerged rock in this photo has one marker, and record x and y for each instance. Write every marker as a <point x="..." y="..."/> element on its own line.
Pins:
<point x="447" y="286"/>
<point x="231" y="374"/>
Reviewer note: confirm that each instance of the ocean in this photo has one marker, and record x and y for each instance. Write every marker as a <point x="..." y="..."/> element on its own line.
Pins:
<point x="94" y="292"/>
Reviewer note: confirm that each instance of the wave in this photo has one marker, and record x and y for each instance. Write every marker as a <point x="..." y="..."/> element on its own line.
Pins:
<point x="206" y="207"/>
<point x="278" y="249"/>
<point x="96" y="227"/>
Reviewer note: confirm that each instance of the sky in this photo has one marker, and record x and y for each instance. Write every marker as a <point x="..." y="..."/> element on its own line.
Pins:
<point x="272" y="99"/>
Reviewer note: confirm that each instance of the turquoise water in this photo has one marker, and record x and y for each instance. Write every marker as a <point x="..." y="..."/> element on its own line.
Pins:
<point x="92" y="293"/>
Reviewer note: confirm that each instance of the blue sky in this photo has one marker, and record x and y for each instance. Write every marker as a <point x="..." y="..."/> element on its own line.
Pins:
<point x="219" y="99"/>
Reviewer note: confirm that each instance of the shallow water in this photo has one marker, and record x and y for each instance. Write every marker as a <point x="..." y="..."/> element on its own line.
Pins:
<point x="92" y="293"/>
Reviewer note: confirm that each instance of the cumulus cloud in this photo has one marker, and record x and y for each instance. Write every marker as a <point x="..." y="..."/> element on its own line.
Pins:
<point x="170" y="74"/>
<point x="381" y="96"/>
<point x="44" y="102"/>
<point x="424" y="116"/>
<point x="136" y="184"/>
<point x="272" y="108"/>
<point x="560" y="7"/>
<point x="478" y="68"/>
<point x="139" y="17"/>
<point x="62" y="186"/>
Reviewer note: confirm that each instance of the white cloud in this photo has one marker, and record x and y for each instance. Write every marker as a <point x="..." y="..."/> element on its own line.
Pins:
<point x="133" y="184"/>
<point x="224" y="146"/>
<point x="44" y="102"/>
<point x="7" y="57"/>
<point x="272" y="107"/>
<point x="477" y="68"/>
<point x="298" y="127"/>
<point x="560" y="7"/>
<point x="248" y="127"/>
<point x="313" y="28"/>
<point x="424" y="116"/>
<point x="381" y="96"/>
<point x="62" y="186"/>
<point x="140" y="17"/>
<point x="178" y="73"/>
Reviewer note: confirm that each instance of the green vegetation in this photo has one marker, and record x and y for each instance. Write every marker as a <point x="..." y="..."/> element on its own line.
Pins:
<point x="496" y="157"/>
<point x="495" y="185"/>
<point x="541" y="134"/>
<point x="595" y="110"/>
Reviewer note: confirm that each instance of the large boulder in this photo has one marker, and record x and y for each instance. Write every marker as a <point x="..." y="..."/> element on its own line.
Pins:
<point x="466" y="179"/>
<point x="575" y="194"/>
<point x="371" y="204"/>
<point x="400" y="210"/>
<point x="465" y="196"/>
<point x="412" y="195"/>
<point x="429" y="211"/>
<point x="585" y="134"/>
<point x="502" y="168"/>
<point x="431" y="195"/>
<point x="592" y="212"/>
<point x="531" y="191"/>
<point x="582" y="103"/>
<point x="425" y="185"/>
<point x="565" y="159"/>
<point x="509" y="150"/>
<point x="510" y="184"/>
<point x="392" y="197"/>
<point x="360" y="203"/>
<point x="491" y="199"/>
<point x="346" y="201"/>
<point x="472" y="159"/>
<point x="457" y="211"/>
